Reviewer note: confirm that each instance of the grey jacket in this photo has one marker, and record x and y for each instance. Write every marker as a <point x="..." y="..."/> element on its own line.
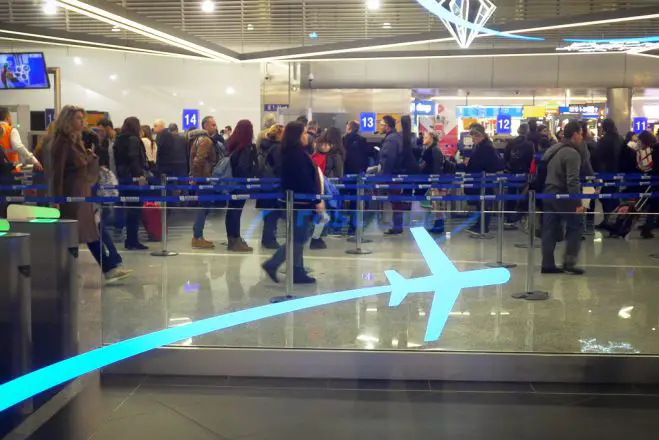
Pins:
<point x="563" y="169"/>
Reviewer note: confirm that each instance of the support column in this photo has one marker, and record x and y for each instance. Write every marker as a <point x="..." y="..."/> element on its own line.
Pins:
<point x="619" y="104"/>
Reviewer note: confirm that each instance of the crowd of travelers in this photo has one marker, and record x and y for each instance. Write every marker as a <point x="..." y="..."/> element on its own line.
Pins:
<point x="306" y="158"/>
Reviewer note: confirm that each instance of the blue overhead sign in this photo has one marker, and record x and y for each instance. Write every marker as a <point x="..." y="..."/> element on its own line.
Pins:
<point x="488" y="111"/>
<point x="367" y="122"/>
<point x="640" y="124"/>
<point x="49" y="116"/>
<point x="190" y="119"/>
<point x="422" y="108"/>
<point x="504" y="123"/>
<point x="273" y="107"/>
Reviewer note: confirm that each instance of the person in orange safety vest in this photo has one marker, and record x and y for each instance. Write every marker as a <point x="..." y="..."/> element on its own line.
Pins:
<point x="10" y="141"/>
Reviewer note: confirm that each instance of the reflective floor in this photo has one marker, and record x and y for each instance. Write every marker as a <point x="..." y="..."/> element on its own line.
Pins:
<point x="221" y="408"/>
<point x="614" y="308"/>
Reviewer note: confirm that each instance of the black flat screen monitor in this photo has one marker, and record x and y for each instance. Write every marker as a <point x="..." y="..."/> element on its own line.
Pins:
<point x="23" y="71"/>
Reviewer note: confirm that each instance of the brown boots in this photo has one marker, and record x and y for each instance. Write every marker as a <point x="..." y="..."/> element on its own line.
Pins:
<point x="201" y="243"/>
<point x="237" y="244"/>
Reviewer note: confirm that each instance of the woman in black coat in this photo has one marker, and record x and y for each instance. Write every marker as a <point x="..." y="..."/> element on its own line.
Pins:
<point x="132" y="169"/>
<point x="298" y="174"/>
<point x="270" y="166"/>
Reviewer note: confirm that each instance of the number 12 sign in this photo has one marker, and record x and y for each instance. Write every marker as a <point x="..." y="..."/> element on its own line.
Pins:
<point x="367" y="122"/>
<point x="503" y="124"/>
<point x="190" y="119"/>
<point x="640" y="124"/>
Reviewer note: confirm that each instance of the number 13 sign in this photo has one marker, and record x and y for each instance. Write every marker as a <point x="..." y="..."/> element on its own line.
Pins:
<point x="190" y="119"/>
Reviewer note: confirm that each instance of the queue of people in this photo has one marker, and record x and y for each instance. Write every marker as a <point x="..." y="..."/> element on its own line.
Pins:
<point x="305" y="159"/>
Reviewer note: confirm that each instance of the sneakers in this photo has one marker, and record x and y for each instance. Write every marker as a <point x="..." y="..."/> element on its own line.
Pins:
<point x="270" y="271"/>
<point x="574" y="270"/>
<point x="237" y="244"/>
<point x="202" y="243"/>
<point x="646" y="234"/>
<point x="393" y="231"/>
<point x="302" y="277"/>
<point x="317" y="243"/>
<point x="117" y="274"/>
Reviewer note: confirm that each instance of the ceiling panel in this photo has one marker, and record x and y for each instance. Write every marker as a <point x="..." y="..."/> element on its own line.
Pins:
<point x="256" y="25"/>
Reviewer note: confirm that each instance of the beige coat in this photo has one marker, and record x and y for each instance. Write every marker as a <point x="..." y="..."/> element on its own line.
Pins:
<point x="74" y="170"/>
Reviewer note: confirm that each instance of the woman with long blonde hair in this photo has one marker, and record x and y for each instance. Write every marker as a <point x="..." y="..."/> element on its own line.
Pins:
<point x="75" y="170"/>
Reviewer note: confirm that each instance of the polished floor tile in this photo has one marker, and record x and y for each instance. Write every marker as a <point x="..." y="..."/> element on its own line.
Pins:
<point x="614" y="308"/>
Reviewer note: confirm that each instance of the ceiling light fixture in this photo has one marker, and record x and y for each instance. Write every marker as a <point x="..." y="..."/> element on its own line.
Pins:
<point x="207" y="6"/>
<point x="139" y="28"/>
<point x="373" y="5"/>
<point x="116" y="29"/>
<point x="50" y="7"/>
<point x="250" y="27"/>
<point x="386" y="25"/>
<point x="230" y="90"/>
<point x="457" y="20"/>
<point x="201" y="103"/>
<point x="113" y="77"/>
<point x="77" y="61"/>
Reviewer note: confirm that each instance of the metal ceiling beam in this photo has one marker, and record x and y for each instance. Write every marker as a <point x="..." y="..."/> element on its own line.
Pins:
<point x="355" y="46"/>
<point x="24" y="33"/>
<point x="450" y="53"/>
<point x="145" y="21"/>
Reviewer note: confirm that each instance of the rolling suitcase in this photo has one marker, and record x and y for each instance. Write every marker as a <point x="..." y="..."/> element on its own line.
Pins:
<point x="152" y="220"/>
<point x="624" y="217"/>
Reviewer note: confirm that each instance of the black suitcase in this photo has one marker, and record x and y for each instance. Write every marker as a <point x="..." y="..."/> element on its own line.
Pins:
<point x="624" y="217"/>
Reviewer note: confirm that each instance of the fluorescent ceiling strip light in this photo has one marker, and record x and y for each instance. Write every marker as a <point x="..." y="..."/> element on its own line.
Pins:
<point x="653" y="39"/>
<point x="121" y="49"/>
<point x="520" y="98"/>
<point x="93" y="44"/>
<point x="97" y="13"/>
<point x="442" y="40"/>
<point x="495" y="55"/>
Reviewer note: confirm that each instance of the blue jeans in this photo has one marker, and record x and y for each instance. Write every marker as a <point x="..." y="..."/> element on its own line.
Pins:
<point x="200" y="221"/>
<point x="301" y="230"/>
<point x="107" y="260"/>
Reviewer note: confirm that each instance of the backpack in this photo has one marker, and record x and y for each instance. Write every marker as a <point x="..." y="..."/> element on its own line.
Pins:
<point x="538" y="179"/>
<point x="245" y="162"/>
<point x="222" y="168"/>
<point x="517" y="164"/>
<point x="406" y="162"/>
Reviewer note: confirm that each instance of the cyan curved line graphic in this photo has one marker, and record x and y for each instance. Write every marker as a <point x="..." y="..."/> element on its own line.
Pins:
<point x="445" y="276"/>
<point x="653" y="39"/>
<point x="441" y="12"/>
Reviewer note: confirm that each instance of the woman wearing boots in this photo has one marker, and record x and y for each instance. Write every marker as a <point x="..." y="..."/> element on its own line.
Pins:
<point x="244" y="164"/>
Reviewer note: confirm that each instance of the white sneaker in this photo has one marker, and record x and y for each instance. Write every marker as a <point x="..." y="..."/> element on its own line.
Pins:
<point x="117" y="274"/>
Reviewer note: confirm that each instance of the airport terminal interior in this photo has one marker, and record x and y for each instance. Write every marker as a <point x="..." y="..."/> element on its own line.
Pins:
<point x="294" y="219"/>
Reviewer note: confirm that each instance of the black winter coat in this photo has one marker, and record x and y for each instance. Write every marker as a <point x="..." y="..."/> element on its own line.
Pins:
<point x="130" y="156"/>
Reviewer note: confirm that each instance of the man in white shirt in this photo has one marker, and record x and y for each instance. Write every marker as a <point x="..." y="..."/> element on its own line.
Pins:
<point x="11" y="142"/>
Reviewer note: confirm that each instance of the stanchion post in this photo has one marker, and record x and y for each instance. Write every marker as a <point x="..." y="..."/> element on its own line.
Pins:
<point x="500" y="216"/>
<point x="290" y="219"/>
<point x="163" y="252"/>
<point x="359" y="232"/>
<point x="530" y="293"/>
<point x="483" y="203"/>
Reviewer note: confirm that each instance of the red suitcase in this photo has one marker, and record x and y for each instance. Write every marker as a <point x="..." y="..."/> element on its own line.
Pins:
<point x="152" y="220"/>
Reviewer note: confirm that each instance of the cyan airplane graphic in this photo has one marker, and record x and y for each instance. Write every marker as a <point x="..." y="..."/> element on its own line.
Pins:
<point x="445" y="282"/>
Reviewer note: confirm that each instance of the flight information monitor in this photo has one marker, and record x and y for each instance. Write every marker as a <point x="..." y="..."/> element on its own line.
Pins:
<point x="23" y="71"/>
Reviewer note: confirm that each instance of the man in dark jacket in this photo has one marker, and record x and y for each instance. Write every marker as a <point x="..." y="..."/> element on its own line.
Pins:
<point x="484" y="159"/>
<point x="606" y="158"/>
<point x="392" y="145"/>
<point x="518" y="156"/>
<point x="171" y="158"/>
<point x="563" y="162"/>
<point x="358" y="153"/>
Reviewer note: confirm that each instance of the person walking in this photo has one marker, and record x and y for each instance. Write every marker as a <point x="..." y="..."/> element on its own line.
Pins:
<point x="75" y="170"/>
<point x="563" y="163"/>
<point x="132" y="167"/>
<point x="300" y="175"/>
<point x="244" y="164"/>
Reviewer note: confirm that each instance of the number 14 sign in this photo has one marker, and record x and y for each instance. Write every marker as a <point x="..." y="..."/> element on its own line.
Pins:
<point x="190" y="119"/>
<point x="503" y="124"/>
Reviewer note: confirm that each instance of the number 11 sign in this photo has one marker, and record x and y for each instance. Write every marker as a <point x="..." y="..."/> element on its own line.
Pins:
<point x="503" y="124"/>
<point x="640" y="124"/>
<point x="190" y="119"/>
